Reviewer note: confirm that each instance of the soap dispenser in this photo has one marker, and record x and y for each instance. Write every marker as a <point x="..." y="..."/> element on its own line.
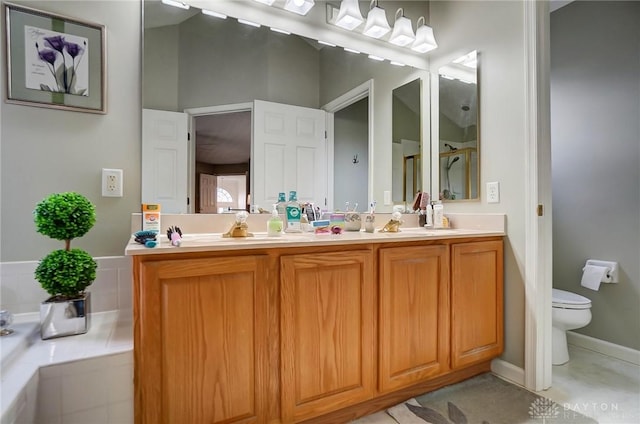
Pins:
<point x="274" y="225"/>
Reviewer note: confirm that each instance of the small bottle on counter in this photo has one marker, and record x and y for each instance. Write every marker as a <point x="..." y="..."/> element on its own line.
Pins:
<point x="293" y="214"/>
<point x="274" y="225"/>
<point x="438" y="215"/>
<point x="282" y="204"/>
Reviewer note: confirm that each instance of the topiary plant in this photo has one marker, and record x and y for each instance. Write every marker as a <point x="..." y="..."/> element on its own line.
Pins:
<point x="67" y="272"/>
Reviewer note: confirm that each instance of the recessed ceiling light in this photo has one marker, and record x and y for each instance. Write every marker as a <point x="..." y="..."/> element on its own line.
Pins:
<point x="326" y="43"/>
<point x="281" y="31"/>
<point x="215" y="14"/>
<point x="176" y="3"/>
<point x="374" y="57"/>
<point x="250" y="23"/>
<point x="347" y="49"/>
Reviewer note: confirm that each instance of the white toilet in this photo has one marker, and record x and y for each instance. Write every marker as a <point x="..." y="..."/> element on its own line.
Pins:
<point x="569" y="311"/>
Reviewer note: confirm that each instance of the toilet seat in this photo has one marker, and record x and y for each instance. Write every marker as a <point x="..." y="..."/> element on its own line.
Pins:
<point x="567" y="300"/>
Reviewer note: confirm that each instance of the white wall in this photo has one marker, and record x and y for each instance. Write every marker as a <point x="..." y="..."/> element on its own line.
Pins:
<point x="595" y="138"/>
<point x="45" y="150"/>
<point x="496" y="30"/>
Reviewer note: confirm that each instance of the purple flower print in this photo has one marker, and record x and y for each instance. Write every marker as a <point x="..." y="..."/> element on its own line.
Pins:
<point x="56" y="42"/>
<point x="63" y="74"/>
<point x="73" y="49"/>
<point x="48" y="56"/>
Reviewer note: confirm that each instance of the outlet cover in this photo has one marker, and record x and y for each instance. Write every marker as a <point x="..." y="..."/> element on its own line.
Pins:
<point x="111" y="182"/>
<point x="493" y="192"/>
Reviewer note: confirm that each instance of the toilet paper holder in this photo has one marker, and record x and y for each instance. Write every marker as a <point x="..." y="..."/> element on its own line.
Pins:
<point x="612" y="274"/>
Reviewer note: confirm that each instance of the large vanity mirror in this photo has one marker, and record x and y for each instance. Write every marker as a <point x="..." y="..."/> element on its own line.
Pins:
<point x="216" y="70"/>
<point x="458" y="130"/>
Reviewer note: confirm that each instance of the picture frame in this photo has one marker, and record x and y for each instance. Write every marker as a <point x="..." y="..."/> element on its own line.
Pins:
<point x="54" y="61"/>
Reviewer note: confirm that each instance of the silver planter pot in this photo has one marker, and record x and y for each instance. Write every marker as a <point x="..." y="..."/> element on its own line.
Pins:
<point x="59" y="318"/>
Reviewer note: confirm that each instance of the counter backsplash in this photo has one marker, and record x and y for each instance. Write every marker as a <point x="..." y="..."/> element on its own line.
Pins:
<point x="220" y="223"/>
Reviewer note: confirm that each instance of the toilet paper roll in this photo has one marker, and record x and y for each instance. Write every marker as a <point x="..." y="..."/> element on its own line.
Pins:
<point x="592" y="276"/>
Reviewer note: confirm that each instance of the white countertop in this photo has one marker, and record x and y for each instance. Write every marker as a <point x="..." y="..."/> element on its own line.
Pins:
<point x="203" y="242"/>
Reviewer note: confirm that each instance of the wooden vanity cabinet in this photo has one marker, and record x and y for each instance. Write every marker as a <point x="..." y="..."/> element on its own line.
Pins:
<point x="413" y="315"/>
<point x="201" y="349"/>
<point x="316" y="334"/>
<point x="477" y="323"/>
<point x="327" y="344"/>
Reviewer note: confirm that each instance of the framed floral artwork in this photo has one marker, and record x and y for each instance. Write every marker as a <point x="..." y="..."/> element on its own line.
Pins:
<point x="54" y="61"/>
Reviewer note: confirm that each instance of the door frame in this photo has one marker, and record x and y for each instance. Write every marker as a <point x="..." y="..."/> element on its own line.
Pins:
<point x="538" y="207"/>
<point x="204" y="111"/>
<point x="347" y="99"/>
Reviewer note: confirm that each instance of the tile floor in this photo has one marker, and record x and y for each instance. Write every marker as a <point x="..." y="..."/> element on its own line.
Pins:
<point x="599" y="386"/>
<point x="602" y="387"/>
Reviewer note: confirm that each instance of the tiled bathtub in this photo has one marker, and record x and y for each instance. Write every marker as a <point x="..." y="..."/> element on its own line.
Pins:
<point x="79" y="379"/>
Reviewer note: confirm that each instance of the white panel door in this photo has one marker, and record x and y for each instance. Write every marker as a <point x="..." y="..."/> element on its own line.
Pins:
<point x="164" y="159"/>
<point x="208" y="194"/>
<point x="289" y="153"/>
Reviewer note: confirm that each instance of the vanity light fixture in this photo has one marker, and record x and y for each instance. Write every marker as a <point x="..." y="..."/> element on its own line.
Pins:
<point x="349" y="16"/>
<point x="402" y="30"/>
<point x="267" y="2"/>
<point x="377" y="25"/>
<point x="176" y="3"/>
<point x="393" y="62"/>
<point x="301" y="7"/>
<point x="214" y="14"/>
<point x="250" y="23"/>
<point x="425" y="41"/>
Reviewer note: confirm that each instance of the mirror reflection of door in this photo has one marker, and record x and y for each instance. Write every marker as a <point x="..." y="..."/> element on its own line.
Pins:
<point x="222" y="152"/>
<point x="207" y="193"/>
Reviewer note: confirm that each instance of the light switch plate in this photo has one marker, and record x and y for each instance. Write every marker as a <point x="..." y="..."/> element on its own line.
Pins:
<point x="387" y="197"/>
<point x="493" y="192"/>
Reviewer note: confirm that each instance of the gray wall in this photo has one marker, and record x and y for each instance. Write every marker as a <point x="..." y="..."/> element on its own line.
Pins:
<point x="160" y="82"/>
<point x="45" y="150"/>
<point x="496" y="30"/>
<point x="206" y="62"/>
<point x="595" y="130"/>
<point x="351" y="137"/>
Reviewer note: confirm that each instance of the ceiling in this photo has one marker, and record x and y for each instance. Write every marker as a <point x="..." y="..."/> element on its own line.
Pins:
<point x="223" y="138"/>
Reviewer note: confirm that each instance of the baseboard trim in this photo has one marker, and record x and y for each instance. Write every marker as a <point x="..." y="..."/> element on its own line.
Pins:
<point x="604" y="347"/>
<point x="508" y="371"/>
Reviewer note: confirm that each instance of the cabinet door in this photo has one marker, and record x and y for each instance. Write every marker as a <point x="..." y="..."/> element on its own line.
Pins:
<point x="414" y="315"/>
<point x="327" y="332"/>
<point x="476" y="302"/>
<point x="201" y="341"/>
